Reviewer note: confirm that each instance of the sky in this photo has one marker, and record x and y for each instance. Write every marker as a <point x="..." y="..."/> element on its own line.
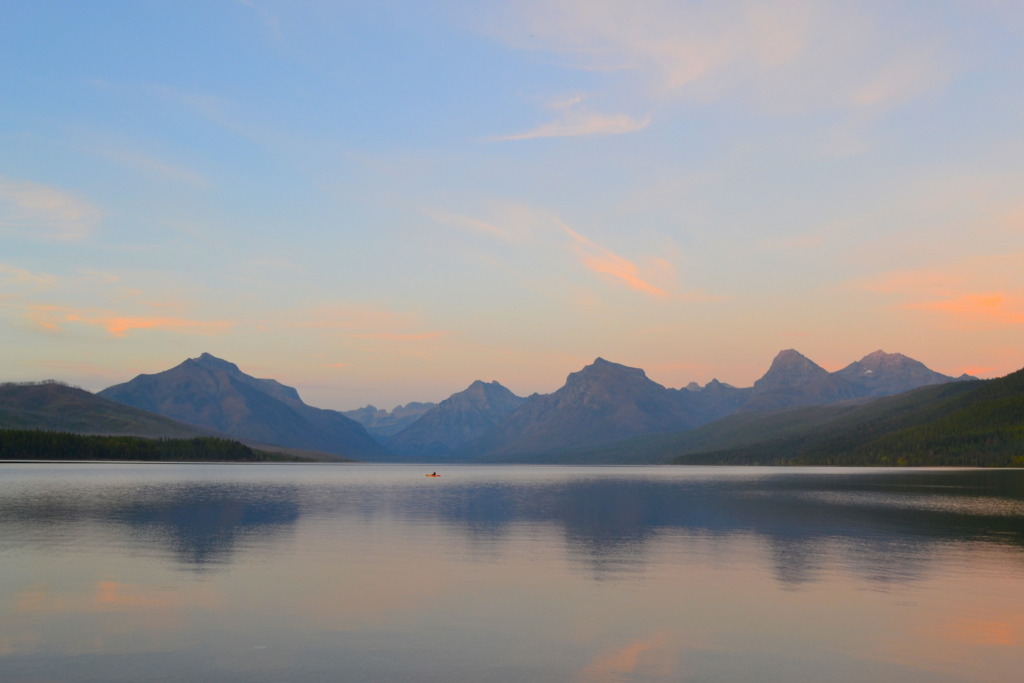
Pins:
<point x="381" y="202"/>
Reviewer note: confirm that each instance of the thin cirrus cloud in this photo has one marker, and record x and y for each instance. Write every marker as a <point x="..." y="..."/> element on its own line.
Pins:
<point x="151" y="166"/>
<point x="38" y="211"/>
<point x="607" y="263"/>
<point x="23" y="276"/>
<point x="992" y="308"/>
<point x="475" y="225"/>
<point x="781" y="55"/>
<point x="979" y="292"/>
<point x="58" y="318"/>
<point x="544" y="229"/>
<point x="574" y="120"/>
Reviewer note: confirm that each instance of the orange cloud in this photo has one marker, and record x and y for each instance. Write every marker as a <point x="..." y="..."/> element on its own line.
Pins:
<point x="472" y="224"/>
<point x="117" y="327"/>
<point x="993" y="307"/>
<point x="983" y="290"/>
<point x="54" y="318"/>
<point x="606" y="262"/>
<point x="27" y="277"/>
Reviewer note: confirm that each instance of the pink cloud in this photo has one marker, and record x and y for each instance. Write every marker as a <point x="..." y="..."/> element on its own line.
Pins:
<point x="55" y="318"/>
<point x="605" y="262"/>
<point x="991" y="307"/>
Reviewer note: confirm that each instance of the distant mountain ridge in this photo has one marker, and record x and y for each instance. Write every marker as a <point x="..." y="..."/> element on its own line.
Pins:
<point x="794" y="380"/>
<point x="606" y="402"/>
<point x="979" y="423"/>
<point x="385" y="423"/>
<point x="213" y="393"/>
<point x="602" y="404"/>
<point x="885" y="374"/>
<point x="603" y="401"/>
<point x="457" y="420"/>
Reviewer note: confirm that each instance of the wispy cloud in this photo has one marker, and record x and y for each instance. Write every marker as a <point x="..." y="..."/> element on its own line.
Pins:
<point x="53" y="318"/>
<point x="266" y="17"/>
<point x="503" y="232"/>
<point x="1000" y="308"/>
<point x="779" y="54"/>
<point x="541" y="234"/>
<point x="22" y="276"/>
<point x="574" y="119"/>
<point x="151" y="165"/>
<point x="977" y="292"/>
<point x="31" y="210"/>
<point x="606" y="262"/>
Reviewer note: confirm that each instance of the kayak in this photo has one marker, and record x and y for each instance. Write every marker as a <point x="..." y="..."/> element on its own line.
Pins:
<point x="431" y="475"/>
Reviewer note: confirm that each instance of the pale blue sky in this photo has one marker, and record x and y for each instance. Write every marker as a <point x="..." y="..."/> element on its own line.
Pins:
<point x="381" y="202"/>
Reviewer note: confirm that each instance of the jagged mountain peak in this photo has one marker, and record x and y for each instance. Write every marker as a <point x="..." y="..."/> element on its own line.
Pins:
<point x="792" y="358"/>
<point x="480" y="387"/>
<point x="602" y="370"/>
<point x="880" y="373"/>
<point x="211" y="362"/>
<point x="789" y="367"/>
<point x="881" y="358"/>
<point x="483" y="393"/>
<point x="458" y="419"/>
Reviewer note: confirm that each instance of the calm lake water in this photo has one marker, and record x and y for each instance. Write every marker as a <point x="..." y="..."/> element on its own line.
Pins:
<point x="377" y="573"/>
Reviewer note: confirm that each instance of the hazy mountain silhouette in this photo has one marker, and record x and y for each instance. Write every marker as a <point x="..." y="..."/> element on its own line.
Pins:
<point x="795" y="380"/>
<point x="606" y="403"/>
<point x="976" y="423"/>
<point x="214" y="393"/>
<point x="386" y="423"/>
<point x="885" y="374"/>
<point x="602" y="402"/>
<point x="456" y="420"/>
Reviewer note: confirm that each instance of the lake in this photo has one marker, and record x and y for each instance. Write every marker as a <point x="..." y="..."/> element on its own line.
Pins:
<point x="135" y="572"/>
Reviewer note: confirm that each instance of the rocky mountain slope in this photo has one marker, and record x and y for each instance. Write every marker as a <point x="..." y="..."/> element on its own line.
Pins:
<point x="457" y="420"/>
<point x="602" y="402"/>
<point x="213" y="393"/>
<point x="606" y="402"/>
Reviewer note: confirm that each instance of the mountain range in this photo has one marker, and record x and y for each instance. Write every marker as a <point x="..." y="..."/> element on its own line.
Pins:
<point x="599" y="407"/>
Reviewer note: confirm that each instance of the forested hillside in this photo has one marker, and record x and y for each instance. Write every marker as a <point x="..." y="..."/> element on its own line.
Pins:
<point x="23" y="444"/>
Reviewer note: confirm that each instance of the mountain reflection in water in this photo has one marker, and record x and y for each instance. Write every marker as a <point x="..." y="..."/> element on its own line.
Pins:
<point x="883" y="521"/>
<point x="323" y="573"/>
